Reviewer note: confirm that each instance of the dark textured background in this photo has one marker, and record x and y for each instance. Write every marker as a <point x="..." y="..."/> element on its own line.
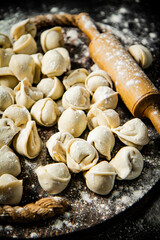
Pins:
<point x="142" y="221"/>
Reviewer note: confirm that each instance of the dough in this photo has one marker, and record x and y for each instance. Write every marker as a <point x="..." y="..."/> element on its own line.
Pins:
<point x="9" y="162"/>
<point x="45" y="112"/>
<point x="23" y="67"/>
<point x="54" y="63"/>
<point x="6" y="98"/>
<point x="51" y="87"/>
<point x="128" y="163"/>
<point x="28" y="142"/>
<point x="100" y="178"/>
<point x="104" y="98"/>
<point x="23" y="27"/>
<point x="103" y="140"/>
<point x="72" y="121"/>
<point x="96" y="79"/>
<point x="76" y="97"/>
<point x="81" y="155"/>
<point x="53" y="177"/>
<point x="25" y="45"/>
<point x="56" y="145"/>
<point x="141" y="54"/>
<point x="52" y="38"/>
<point x="5" y="56"/>
<point x="7" y="131"/>
<point x="37" y="57"/>
<point x="133" y="133"/>
<point x="96" y="117"/>
<point x="26" y="95"/>
<point x="7" y="78"/>
<point x="75" y="77"/>
<point x="11" y="189"/>
<point x="18" y="114"/>
<point x="5" y="42"/>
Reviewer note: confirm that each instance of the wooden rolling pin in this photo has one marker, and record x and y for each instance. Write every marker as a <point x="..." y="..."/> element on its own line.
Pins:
<point x="136" y="90"/>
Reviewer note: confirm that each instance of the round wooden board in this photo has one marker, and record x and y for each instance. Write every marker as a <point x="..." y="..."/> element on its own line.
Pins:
<point x="87" y="209"/>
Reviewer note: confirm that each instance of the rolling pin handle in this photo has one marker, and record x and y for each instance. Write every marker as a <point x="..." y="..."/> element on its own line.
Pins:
<point x="153" y="113"/>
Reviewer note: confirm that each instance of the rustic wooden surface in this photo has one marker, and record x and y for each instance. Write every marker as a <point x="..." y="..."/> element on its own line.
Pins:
<point x="87" y="209"/>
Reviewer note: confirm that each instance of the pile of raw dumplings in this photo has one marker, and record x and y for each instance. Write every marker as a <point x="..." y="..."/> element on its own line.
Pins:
<point x="41" y="89"/>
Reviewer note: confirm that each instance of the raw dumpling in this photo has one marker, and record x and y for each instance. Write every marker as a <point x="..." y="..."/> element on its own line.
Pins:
<point x="28" y="142"/>
<point x="6" y="98"/>
<point x="45" y="112"/>
<point x="52" y="38"/>
<point x="64" y="52"/>
<point x="96" y="117"/>
<point x="7" y="131"/>
<point x="141" y="54"/>
<point x="53" y="177"/>
<point x="133" y="133"/>
<point x="37" y="57"/>
<point x="23" y="66"/>
<point x="51" y="87"/>
<point x="7" y="78"/>
<point x="103" y="140"/>
<point x="5" y="42"/>
<point x="81" y="155"/>
<point x="26" y="95"/>
<point x="72" y="121"/>
<point x="100" y="178"/>
<point x="96" y="79"/>
<point x="54" y="63"/>
<point x="25" y="45"/>
<point x="11" y="189"/>
<point x="23" y="27"/>
<point x="56" y="145"/>
<point x="5" y="56"/>
<point x="76" y="97"/>
<point x="75" y="77"/>
<point x="128" y="163"/>
<point x="9" y="162"/>
<point x="104" y="98"/>
<point x="19" y="114"/>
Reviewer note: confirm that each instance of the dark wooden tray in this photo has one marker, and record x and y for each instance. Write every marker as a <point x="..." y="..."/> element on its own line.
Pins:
<point x="87" y="209"/>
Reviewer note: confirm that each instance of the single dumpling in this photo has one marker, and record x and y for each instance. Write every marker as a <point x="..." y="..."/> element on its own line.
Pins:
<point x="27" y="142"/>
<point x="23" y="27"/>
<point x="25" y="45"/>
<point x="141" y="54"/>
<point x="52" y="38"/>
<point x="54" y="63"/>
<point x="9" y="162"/>
<point x="81" y="155"/>
<point x="96" y="79"/>
<point x="100" y="178"/>
<point x="133" y="133"/>
<point x="73" y="121"/>
<point x="5" y="56"/>
<point x="56" y="145"/>
<point x="37" y="57"/>
<point x="5" y="42"/>
<point x="104" y="98"/>
<point x="19" y="114"/>
<point x="64" y="52"/>
<point x="128" y="163"/>
<point x="45" y="112"/>
<point x="54" y="177"/>
<point x="11" y="189"/>
<point x="23" y="66"/>
<point x="26" y="95"/>
<point x="51" y="87"/>
<point x="96" y="117"/>
<point x="75" y="77"/>
<point x="7" y="78"/>
<point x="7" y="131"/>
<point x="76" y="97"/>
<point x="6" y="98"/>
<point x="103" y="140"/>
